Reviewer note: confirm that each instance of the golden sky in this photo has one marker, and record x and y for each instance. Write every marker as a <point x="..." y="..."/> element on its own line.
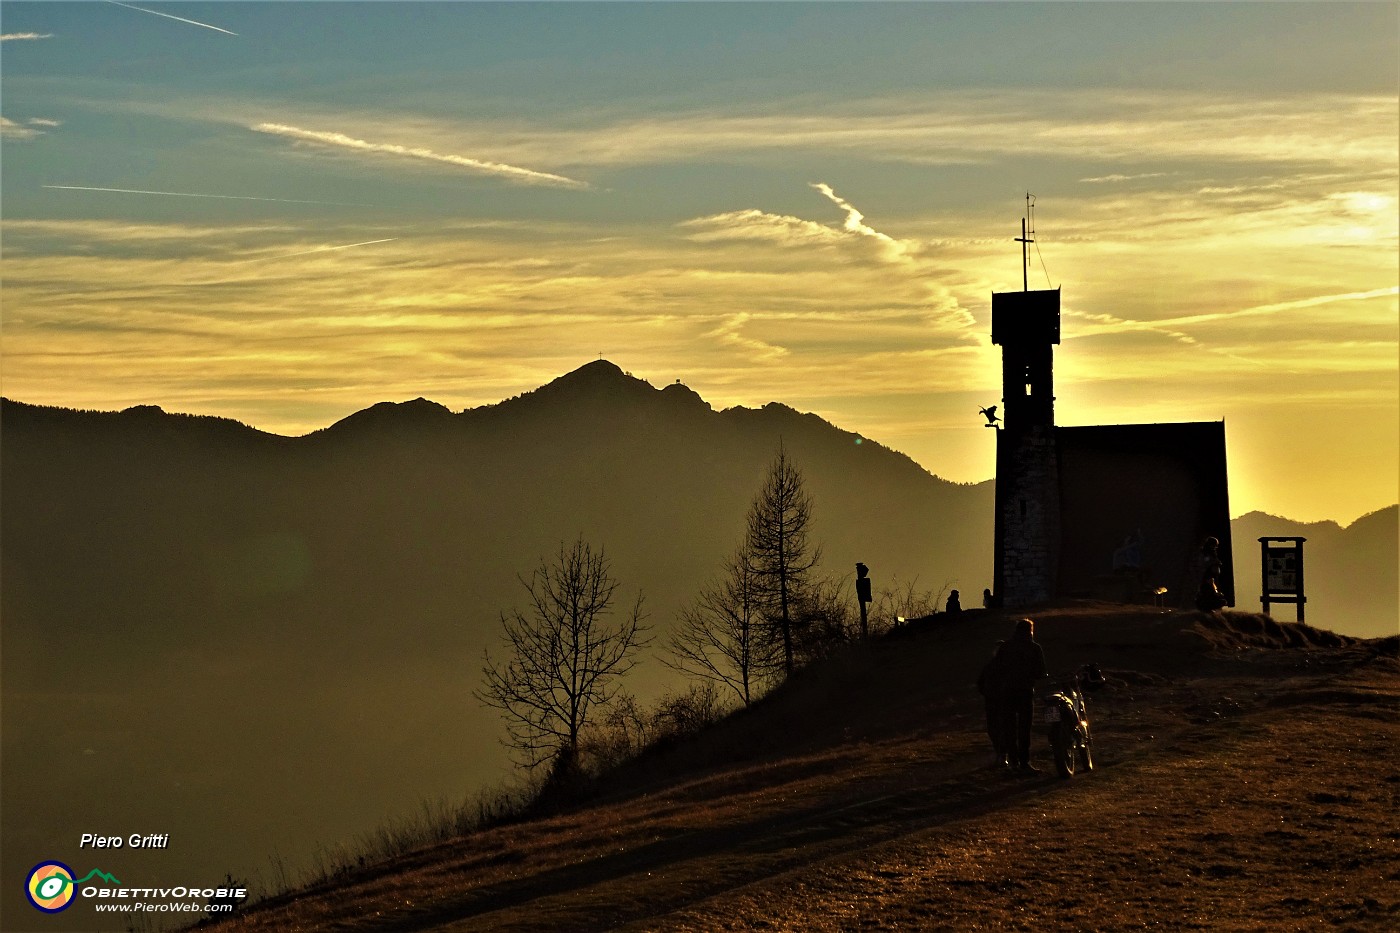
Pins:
<point x="316" y="211"/>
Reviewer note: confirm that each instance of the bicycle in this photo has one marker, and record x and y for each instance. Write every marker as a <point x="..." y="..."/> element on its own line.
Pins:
<point x="1066" y="715"/>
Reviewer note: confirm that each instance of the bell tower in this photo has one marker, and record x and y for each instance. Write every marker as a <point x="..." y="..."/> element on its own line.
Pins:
<point x="1026" y="325"/>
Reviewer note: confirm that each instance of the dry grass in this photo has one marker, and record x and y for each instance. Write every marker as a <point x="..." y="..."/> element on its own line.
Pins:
<point x="1248" y="779"/>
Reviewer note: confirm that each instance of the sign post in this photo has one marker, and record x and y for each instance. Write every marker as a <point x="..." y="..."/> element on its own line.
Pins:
<point x="1282" y="566"/>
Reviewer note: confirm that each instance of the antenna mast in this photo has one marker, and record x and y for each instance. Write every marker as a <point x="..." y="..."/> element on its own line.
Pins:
<point x="1024" y="239"/>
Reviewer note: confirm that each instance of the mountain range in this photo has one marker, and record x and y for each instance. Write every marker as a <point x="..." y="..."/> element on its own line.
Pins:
<point x="197" y="613"/>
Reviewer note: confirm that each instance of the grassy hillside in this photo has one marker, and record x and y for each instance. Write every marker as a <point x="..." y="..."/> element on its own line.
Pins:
<point x="197" y="613"/>
<point x="1246" y="779"/>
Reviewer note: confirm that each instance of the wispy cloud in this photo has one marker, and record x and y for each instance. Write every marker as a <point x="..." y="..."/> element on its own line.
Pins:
<point x="753" y="224"/>
<point x="187" y="194"/>
<point x="1110" y="129"/>
<point x="322" y="249"/>
<point x="26" y="130"/>
<point x="786" y="230"/>
<point x="1116" y="178"/>
<point x="342" y="141"/>
<point x="9" y="129"/>
<point x="181" y="19"/>
<point x="1278" y="307"/>
<point x="855" y="222"/>
<point x="1112" y="324"/>
<point x="730" y="333"/>
<point x="18" y="36"/>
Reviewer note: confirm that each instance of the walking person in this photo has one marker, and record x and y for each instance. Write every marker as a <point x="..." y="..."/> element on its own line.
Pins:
<point x="1022" y="663"/>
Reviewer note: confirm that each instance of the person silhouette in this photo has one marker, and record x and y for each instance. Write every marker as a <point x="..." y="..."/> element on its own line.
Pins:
<point x="1209" y="598"/>
<point x="954" y="606"/>
<point x="1022" y="664"/>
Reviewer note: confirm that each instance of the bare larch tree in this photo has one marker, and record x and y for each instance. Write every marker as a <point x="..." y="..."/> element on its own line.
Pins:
<point x="720" y="636"/>
<point x="565" y="655"/>
<point x="779" y="553"/>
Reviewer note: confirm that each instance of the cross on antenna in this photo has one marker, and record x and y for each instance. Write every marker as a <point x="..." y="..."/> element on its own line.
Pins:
<point x="1024" y="239"/>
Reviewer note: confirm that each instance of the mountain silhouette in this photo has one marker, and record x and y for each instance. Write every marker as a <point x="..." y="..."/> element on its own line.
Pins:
<point x="206" y="611"/>
<point x="326" y="599"/>
<point x="1350" y="574"/>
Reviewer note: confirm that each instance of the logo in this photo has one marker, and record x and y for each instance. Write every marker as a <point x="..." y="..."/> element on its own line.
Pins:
<point x="51" y="887"/>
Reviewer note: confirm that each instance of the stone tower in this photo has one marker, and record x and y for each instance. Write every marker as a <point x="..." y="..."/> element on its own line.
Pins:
<point x="1026" y="325"/>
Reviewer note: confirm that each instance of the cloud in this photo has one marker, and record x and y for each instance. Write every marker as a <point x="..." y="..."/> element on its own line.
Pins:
<point x="729" y="333"/>
<point x="323" y="249"/>
<point x="786" y="230"/>
<point x="9" y="129"/>
<point x="855" y="223"/>
<point x="1114" y="179"/>
<point x="85" y="233"/>
<point x="340" y="140"/>
<point x="17" y="36"/>
<point x="187" y="194"/>
<point x="970" y="127"/>
<point x="754" y="224"/>
<point x="1112" y="324"/>
<point x="1281" y="306"/>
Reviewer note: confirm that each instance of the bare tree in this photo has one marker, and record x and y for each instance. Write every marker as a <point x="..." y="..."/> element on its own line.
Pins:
<point x="779" y="553"/>
<point x="720" y="636"/>
<point x="565" y="655"/>
<point x="824" y="617"/>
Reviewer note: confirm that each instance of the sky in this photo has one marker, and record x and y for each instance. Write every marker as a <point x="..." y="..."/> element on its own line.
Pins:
<point x="283" y="213"/>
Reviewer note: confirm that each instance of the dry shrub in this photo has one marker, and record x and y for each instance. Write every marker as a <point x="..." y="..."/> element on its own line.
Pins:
<point x="1234" y="629"/>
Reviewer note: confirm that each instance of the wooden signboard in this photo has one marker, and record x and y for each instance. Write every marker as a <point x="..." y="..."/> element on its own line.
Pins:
<point x="1282" y="564"/>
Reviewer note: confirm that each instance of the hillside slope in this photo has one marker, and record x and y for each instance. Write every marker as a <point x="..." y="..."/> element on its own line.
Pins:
<point x="196" y="612"/>
<point x="1247" y="779"/>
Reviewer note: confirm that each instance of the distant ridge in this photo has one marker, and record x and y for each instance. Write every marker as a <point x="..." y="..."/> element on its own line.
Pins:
<point x="599" y="388"/>
<point x="316" y="596"/>
<point x="416" y="413"/>
<point x="1350" y="573"/>
<point x="585" y="450"/>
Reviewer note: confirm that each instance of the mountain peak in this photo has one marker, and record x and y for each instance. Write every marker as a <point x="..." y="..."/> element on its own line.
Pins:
<point x="387" y="415"/>
<point x="599" y="380"/>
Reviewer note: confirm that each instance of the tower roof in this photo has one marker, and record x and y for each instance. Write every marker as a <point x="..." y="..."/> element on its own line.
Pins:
<point x="1031" y="317"/>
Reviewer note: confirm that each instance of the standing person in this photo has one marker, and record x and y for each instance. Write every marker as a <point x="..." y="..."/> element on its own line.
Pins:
<point x="1208" y="596"/>
<point x="1022" y="664"/>
<point x="989" y="684"/>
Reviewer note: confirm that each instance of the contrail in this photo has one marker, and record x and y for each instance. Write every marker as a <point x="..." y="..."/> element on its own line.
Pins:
<point x="169" y="16"/>
<point x="186" y="194"/>
<point x="513" y="172"/>
<point x="322" y="249"/>
<point x="10" y="36"/>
